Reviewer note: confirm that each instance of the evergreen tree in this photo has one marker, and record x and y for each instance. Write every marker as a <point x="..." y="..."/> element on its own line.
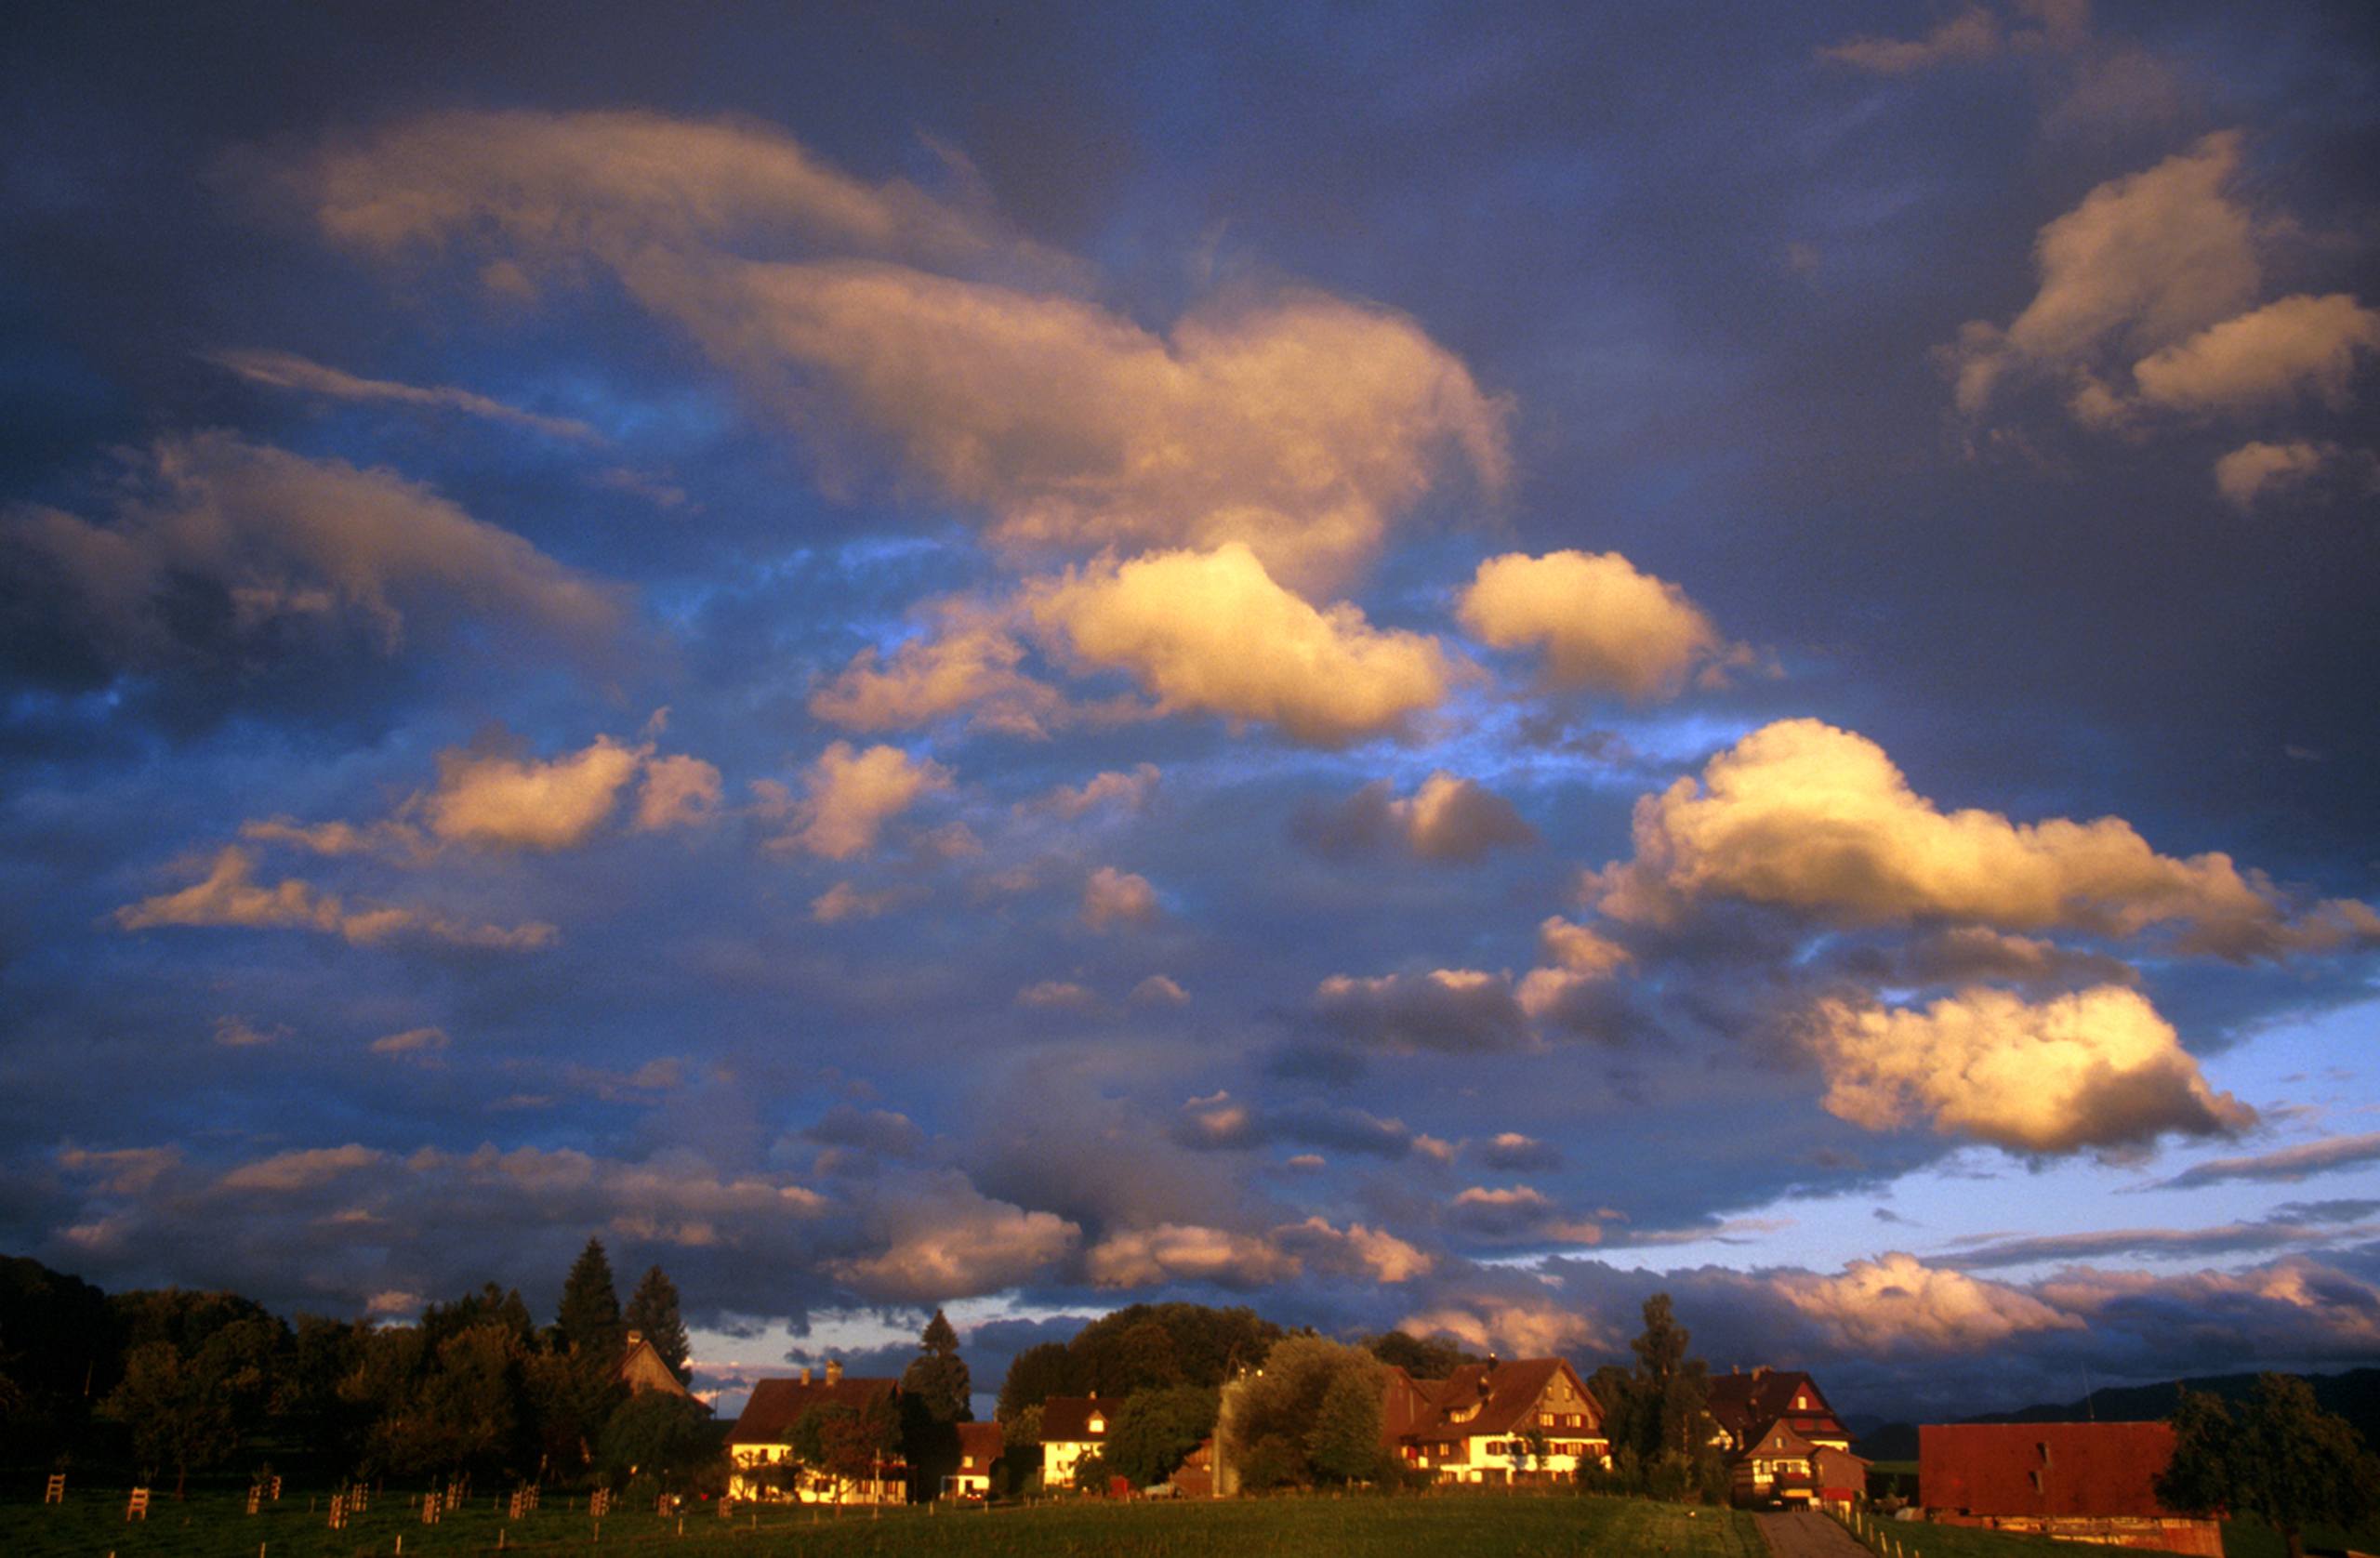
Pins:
<point x="937" y="1378"/>
<point x="589" y="1319"/>
<point x="1042" y="1370"/>
<point x="653" y="1310"/>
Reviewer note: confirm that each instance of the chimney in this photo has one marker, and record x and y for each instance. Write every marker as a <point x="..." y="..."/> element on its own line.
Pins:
<point x="834" y="1371"/>
<point x="1760" y="1371"/>
<point x="635" y="1337"/>
<point x="805" y="1374"/>
<point x="1094" y="1395"/>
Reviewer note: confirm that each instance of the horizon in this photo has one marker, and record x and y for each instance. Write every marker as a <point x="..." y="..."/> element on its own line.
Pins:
<point x="1425" y="672"/>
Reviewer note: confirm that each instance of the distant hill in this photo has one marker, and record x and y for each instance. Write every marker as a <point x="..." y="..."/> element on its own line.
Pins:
<point x="2353" y="1395"/>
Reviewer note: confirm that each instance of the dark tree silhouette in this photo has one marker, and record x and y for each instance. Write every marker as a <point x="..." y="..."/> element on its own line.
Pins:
<point x="937" y="1377"/>
<point x="653" y="1310"/>
<point x="590" y="1317"/>
<point x="2279" y="1457"/>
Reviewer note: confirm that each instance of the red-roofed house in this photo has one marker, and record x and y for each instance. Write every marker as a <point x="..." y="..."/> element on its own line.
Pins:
<point x="760" y="1447"/>
<point x="1774" y="1426"/>
<point x="1072" y="1427"/>
<point x="979" y="1445"/>
<point x="2082" y="1482"/>
<point x="1529" y="1420"/>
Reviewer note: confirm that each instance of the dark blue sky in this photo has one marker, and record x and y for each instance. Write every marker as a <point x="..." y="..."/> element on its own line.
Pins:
<point x="1440" y="668"/>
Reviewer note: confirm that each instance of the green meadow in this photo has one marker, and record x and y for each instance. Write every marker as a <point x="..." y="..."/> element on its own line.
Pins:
<point x="1523" y="1527"/>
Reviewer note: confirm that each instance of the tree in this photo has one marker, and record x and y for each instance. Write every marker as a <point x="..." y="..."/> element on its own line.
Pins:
<point x="653" y="1310"/>
<point x="1269" y="1423"/>
<point x="1669" y="1391"/>
<point x="937" y="1377"/>
<point x="589" y="1316"/>
<point x="179" y="1416"/>
<point x="1035" y="1375"/>
<point x="1153" y="1433"/>
<point x="1424" y="1357"/>
<point x="2282" y="1458"/>
<point x="1343" y="1444"/>
<point x="668" y="1438"/>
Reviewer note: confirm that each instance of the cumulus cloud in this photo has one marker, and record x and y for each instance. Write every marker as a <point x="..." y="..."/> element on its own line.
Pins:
<point x="1158" y="990"/>
<point x="229" y="896"/>
<point x="842" y="902"/>
<point x="1514" y="1328"/>
<point x="850" y="795"/>
<point x="1057" y="995"/>
<point x="945" y="1240"/>
<point x="1897" y="1303"/>
<point x="1577" y="958"/>
<point x="1123" y="792"/>
<point x="1447" y="819"/>
<point x="1518" y="1211"/>
<point x="1599" y="623"/>
<point x="2257" y="468"/>
<point x="283" y="370"/>
<point x="497" y="803"/>
<point x="2098" y="1068"/>
<point x="1512" y="1150"/>
<point x="2144" y="262"/>
<point x="291" y="540"/>
<point x="967" y="662"/>
<point x="677" y="792"/>
<point x="1180" y="1252"/>
<point x="1449" y="1010"/>
<point x="2293" y="1307"/>
<point x="1212" y="633"/>
<point x="1373" y="1254"/>
<point x="1297" y="423"/>
<point x="1801" y="815"/>
<point x="1219" y="1121"/>
<point x="1111" y="898"/>
<point x="2297" y="346"/>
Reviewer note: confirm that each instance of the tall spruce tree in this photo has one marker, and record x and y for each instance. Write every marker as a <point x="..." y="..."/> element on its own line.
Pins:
<point x="653" y="1310"/>
<point x="589" y="1319"/>
<point x="937" y="1377"/>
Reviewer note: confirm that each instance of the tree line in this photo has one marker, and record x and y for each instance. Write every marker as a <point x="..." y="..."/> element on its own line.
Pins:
<point x="169" y="1382"/>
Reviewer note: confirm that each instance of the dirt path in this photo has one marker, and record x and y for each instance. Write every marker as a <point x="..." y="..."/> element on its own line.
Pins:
<point x="1807" y="1534"/>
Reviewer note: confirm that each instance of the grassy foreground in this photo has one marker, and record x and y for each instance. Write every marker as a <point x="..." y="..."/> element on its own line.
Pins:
<point x="1320" y="1527"/>
<point x="2242" y="1538"/>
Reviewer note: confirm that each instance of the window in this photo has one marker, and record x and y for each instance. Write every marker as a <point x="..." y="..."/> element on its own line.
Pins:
<point x="1099" y="1425"/>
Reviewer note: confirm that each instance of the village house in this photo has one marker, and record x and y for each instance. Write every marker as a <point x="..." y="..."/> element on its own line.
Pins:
<point x="1783" y="1440"/>
<point x="1531" y="1420"/>
<point x="979" y="1445"/>
<point x="760" y="1446"/>
<point x="641" y="1369"/>
<point x="1072" y="1427"/>
<point x="2081" y="1481"/>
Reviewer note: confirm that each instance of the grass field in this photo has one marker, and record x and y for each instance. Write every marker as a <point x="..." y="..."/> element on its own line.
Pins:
<point x="1522" y="1526"/>
<point x="2242" y="1538"/>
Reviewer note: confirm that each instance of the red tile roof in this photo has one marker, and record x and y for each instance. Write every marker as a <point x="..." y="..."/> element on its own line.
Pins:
<point x="1506" y="1394"/>
<point x="2043" y="1469"/>
<point x="1066" y="1420"/>
<point x="981" y="1441"/>
<point x="777" y="1404"/>
<point x="1746" y="1403"/>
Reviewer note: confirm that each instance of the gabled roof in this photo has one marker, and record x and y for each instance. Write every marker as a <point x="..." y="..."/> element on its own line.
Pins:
<point x="1066" y="1420"/>
<point x="2049" y="1469"/>
<point x="983" y="1441"/>
<point x="1506" y="1395"/>
<point x="1781" y="1439"/>
<point x="641" y="1369"/>
<point x="1745" y="1403"/>
<point x="777" y="1404"/>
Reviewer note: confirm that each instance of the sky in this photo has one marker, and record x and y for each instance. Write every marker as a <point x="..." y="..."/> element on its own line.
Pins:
<point x="1426" y="667"/>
